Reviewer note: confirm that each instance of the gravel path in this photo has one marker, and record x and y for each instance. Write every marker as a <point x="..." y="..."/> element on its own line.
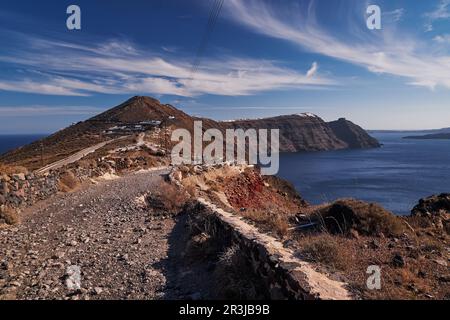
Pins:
<point x="75" y="157"/>
<point x="122" y="251"/>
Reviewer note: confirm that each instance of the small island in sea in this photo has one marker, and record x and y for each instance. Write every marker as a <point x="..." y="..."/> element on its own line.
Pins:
<point x="434" y="136"/>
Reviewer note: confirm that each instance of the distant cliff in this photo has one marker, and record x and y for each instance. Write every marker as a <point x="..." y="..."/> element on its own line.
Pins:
<point x="308" y="132"/>
<point x="354" y="136"/>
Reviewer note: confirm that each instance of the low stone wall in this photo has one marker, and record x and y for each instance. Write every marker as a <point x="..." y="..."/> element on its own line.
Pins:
<point x="22" y="190"/>
<point x="284" y="275"/>
<point x="18" y="190"/>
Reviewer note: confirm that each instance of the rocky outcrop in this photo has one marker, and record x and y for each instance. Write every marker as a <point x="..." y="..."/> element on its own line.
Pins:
<point x="354" y="136"/>
<point x="433" y="205"/>
<point x="436" y="210"/>
<point x="350" y="217"/>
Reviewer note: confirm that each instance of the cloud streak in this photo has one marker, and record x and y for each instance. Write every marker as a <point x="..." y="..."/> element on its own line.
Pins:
<point x="311" y="72"/>
<point x="383" y="53"/>
<point x="33" y="111"/>
<point x="442" y="39"/>
<point x="441" y="12"/>
<point x="30" y="86"/>
<point x="120" y="68"/>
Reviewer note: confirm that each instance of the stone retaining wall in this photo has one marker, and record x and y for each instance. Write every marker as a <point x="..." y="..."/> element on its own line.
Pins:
<point x="18" y="190"/>
<point x="284" y="275"/>
<point x="22" y="190"/>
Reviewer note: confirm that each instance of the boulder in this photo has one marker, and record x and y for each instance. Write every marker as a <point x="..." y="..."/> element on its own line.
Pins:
<point x="5" y="188"/>
<point x="398" y="261"/>
<point x="369" y="219"/>
<point x="19" y="177"/>
<point x="431" y="206"/>
<point x="434" y="210"/>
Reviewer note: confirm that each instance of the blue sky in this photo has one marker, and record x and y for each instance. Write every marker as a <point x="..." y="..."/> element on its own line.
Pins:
<point x="264" y="58"/>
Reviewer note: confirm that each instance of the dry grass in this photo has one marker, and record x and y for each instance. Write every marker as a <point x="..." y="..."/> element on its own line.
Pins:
<point x="349" y="236"/>
<point x="235" y="277"/>
<point x="9" y="215"/>
<point x="68" y="182"/>
<point x="349" y="258"/>
<point x="326" y="250"/>
<point x="366" y="218"/>
<point x="269" y="221"/>
<point x="10" y="169"/>
<point x="232" y="274"/>
<point x="268" y="202"/>
<point x="167" y="199"/>
<point x="201" y="247"/>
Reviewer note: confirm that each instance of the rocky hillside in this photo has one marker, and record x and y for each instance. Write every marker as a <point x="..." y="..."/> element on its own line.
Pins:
<point x="354" y="136"/>
<point x="342" y="238"/>
<point x="302" y="132"/>
<point x="308" y="132"/>
<point x="141" y="109"/>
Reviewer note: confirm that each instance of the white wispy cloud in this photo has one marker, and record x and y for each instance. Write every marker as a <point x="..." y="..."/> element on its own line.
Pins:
<point x="311" y="72"/>
<point x="61" y="68"/>
<point x="443" y="38"/>
<point x="383" y="53"/>
<point x="170" y="49"/>
<point x="31" y="111"/>
<point x="441" y="12"/>
<point x="30" y="86"/>
<point x="396" y="15"/>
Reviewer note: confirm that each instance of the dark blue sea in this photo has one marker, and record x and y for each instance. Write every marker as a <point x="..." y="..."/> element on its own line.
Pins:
<point x="9" y="142"/>
<point x="395" y="176"/>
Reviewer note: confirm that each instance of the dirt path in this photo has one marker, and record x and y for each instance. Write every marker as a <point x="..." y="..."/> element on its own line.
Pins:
<point x="122" y="250"/>
<point x="75" y="157"/>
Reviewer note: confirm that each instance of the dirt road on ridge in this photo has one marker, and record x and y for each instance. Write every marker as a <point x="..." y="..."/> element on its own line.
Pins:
<point x="75" y="157"/>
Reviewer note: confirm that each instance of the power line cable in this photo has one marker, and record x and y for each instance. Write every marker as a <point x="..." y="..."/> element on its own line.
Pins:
<point x="214" y="13"/>
<point x="206" y="36"/>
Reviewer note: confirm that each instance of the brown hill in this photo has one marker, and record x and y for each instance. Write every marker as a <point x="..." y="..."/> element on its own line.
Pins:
<point x="57" y="146"/>
<point x="139" y="109"/>
<point x="354" y="136"/>
<point x="94" y="130"/>
<point x="304" y="132"/>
